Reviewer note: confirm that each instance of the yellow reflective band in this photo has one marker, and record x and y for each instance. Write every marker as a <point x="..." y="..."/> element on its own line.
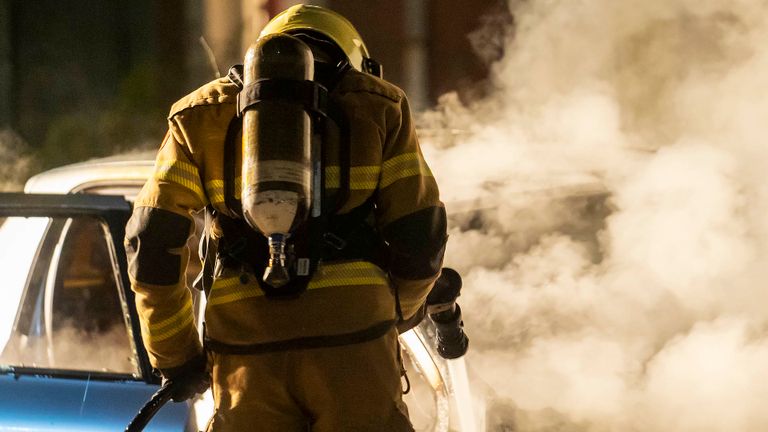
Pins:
<point x="345" y="274"/>
<point x="350" y="281"/>
<point x="360" y="177"/>
<point x="171" y="326"/>
<point x="181" y="173"/>
<point x="403" y="166"/>
<point x="229" y="290"/>
<point x="215" y="190"/>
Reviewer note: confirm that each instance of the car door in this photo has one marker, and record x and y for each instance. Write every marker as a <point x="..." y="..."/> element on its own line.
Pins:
<point x="71" y="355"/>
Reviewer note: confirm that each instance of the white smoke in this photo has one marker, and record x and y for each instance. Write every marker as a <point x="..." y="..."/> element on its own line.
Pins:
<point x="104" y="351"/>
<point x="15" y="163"/>
<point x="73" y="348"/>
<point x="648" y="311"/>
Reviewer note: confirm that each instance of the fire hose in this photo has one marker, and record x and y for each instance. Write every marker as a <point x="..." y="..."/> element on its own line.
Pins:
<point x="145" y="414"/>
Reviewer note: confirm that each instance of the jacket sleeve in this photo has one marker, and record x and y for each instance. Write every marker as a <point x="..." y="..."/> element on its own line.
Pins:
<point x="155" y="243"/>
<point x="410" y="214"/>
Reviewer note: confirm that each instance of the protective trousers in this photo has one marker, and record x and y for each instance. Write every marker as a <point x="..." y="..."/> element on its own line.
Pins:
<point x="349" y="388"/>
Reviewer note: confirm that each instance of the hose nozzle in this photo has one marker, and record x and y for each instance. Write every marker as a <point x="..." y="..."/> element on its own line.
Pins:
<point x="452" y="342"/>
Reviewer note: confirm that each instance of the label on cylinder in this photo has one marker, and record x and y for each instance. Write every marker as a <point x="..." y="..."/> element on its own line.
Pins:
<point x="278" y="171"/>
<point x="302" y="267"/>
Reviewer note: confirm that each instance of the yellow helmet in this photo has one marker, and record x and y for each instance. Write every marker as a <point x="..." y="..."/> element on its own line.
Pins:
<point x="331" y="25"/>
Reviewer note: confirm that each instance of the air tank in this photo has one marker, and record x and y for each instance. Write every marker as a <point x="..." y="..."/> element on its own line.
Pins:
<point x="276" y="152"/>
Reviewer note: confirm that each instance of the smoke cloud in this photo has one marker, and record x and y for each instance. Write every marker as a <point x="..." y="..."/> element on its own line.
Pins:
<point x="73" y="348"/>
<point x="15" y="164"/>
<point x="609" y="217"/>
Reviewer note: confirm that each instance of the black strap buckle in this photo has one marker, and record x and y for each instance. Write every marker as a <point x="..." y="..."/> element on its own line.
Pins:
<point x="313" y="96"/>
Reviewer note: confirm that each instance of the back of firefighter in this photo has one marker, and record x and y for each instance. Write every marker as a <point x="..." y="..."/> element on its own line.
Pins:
<point x="328" y="359"/>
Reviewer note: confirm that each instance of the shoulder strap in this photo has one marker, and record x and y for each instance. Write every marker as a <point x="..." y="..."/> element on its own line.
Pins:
<point x="230" y="168"/>
<point x="235" y="75"/>
<point x="337" y="115"/>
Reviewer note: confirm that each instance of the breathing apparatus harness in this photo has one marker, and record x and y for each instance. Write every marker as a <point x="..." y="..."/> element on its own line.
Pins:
<point x="326" y="236"/>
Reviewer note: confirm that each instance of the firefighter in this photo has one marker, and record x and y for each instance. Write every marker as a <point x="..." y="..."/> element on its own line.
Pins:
<point x="318" y="349"/>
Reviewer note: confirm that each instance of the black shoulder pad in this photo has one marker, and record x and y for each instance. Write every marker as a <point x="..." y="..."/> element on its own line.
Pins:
<point x="152" y="239"/>
<point x="417" y="243"/>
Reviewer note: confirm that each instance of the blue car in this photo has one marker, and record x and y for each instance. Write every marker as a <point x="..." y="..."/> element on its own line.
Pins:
<point x="71" y="358"/>
<point x="71" y="354"/>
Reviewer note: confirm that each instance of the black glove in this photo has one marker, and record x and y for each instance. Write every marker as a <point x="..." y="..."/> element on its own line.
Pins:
<point x="189" y="379"/>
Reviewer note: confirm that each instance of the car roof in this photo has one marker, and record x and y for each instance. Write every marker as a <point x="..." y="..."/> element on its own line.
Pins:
<point x="128" y="170"/>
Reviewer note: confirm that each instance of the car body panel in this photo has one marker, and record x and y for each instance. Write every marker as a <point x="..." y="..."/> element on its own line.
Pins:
<point x="47" y="403"/>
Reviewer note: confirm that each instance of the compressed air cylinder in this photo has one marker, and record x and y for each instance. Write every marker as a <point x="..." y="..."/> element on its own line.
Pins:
<point x="276" y="153"/>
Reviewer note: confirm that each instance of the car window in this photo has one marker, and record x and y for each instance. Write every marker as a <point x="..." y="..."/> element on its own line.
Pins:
<point x="70" y="314"/>
<point x="20" y="238"/>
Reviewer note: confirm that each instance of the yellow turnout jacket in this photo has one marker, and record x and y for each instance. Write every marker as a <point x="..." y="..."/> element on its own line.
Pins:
<point x="343" y="296"/>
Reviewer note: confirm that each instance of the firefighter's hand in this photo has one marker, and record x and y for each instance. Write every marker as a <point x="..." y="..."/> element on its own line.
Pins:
<point x="187" y="380"/>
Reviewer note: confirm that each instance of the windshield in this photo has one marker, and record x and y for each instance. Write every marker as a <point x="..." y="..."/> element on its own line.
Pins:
<point x="61" y="307"/>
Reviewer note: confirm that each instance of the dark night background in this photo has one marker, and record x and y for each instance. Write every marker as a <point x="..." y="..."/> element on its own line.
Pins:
<point x="87" y="78"/>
